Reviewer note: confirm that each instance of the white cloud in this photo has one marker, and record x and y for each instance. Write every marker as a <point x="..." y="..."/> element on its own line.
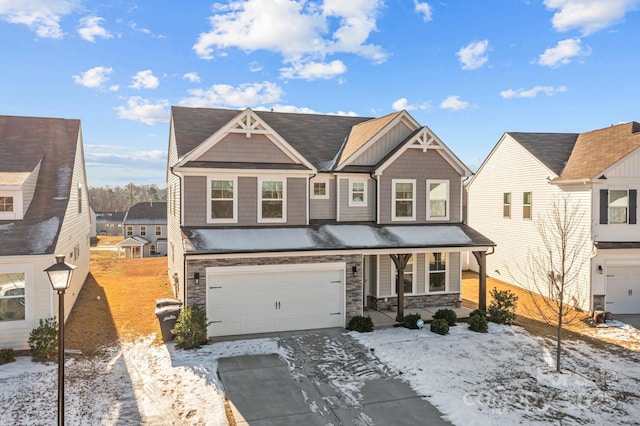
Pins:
<point x="424" y="9"/>
<point x="403" y="104"/>
<point x="100" y="154"/>
<point x="145" y="80"/>
<point x="41" y="16"/>
<point x="314" y="70"/>
<point x="533" y="92"/>
<point x="312" y="32"/>
<point x="474" y="55"/>
<point x="563" y="53"/>
<point x="143" y="110"/>
<point x="192" y="77"/>
<point x="454" y="103"/>
<point x="588" y="16"/>
<point x="224" y="95"/>
<point x="90" y="28"/>
<point x="255" y="67"/>
<point x="94" y="78"/>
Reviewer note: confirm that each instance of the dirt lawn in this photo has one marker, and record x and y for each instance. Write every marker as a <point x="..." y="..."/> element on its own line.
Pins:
<point x="117" y="301"/>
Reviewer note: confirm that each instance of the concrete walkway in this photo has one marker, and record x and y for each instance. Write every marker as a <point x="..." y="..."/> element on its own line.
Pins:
<point x="329" y="379"/>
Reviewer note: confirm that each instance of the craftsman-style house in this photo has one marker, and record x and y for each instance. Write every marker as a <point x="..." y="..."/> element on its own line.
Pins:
<point x="281" y="221"/>
<point x="44" y="211"/>
<point x="598" y="173"/>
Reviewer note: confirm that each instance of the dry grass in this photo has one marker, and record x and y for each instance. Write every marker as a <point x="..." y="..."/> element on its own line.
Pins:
<point x="117" y="301"/>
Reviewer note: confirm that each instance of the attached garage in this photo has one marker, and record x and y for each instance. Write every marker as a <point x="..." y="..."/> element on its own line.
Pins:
<point x="623" y="289"/>
<point x="271" y="298"/>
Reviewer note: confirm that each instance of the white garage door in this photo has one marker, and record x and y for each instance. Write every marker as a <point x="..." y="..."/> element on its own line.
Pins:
<point x="260" y="299"/>
<point x="623" y="289"/>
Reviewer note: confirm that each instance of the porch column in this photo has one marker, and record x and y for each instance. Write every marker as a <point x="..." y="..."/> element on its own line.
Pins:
<point x="400" y="260"/>
<point x="481" y="257"/>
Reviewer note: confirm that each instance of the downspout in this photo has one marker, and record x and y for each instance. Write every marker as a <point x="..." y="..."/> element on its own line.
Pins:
<point x="184" y="263"/>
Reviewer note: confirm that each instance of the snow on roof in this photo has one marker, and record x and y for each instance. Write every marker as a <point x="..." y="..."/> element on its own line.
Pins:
<point x="334" y="236"/>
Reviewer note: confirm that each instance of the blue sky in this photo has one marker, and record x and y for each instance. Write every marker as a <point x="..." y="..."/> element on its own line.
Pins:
<point x="469" y="69"/>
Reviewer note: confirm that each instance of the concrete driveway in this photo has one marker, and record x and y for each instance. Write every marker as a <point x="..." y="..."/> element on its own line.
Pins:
<point x="631" y="319"/>
<point x="327" y="379"/>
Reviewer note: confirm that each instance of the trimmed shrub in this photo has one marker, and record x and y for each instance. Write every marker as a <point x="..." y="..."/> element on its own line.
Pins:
<point x="410" y="321"/>
<point x="7" y="356"/>
<point x="478" y="321"/>
<point x="446" y="314"/>
<point x="43" y="340"/>
<point x="440" y="326"/>
<point x="191" y="328"/>
<point x="361" y="324"/>
<point x="502" y="309"/>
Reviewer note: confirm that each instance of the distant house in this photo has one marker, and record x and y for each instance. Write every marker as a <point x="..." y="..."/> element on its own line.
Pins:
<point x="145" y="230"/>
<point x="598" y="171"/>
<point x="44" y="211"/>
<point x="283" y="221"/>
<point x="94" y="230"/>
<point x="109" y="223"/>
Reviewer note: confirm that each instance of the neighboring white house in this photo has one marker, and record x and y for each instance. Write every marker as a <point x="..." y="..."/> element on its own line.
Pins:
<point x="515" y="186"/>
<point x="44" y="211"/>
<point x="145" y="230"/>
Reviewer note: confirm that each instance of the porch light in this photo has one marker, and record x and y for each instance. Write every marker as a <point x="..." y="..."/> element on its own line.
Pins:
<point x="196" y="277"/>
<point x="354" y="270"/>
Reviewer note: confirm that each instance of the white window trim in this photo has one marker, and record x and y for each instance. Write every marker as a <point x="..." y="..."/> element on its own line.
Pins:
<point x="284" y="200"/>
<point x="428" y="274"/>
<point x="394" y="271"/>
<point x="320" y="179"/>
<point x="27" y="270"/>
<point x="158" y="228"/>
<point x="447" y="200"/>
<point x="362" y="180"/>
<point x="126" y="231"/>
<point x="17" y="212"/>
<point x="234" y="219"/>
<point x="393" y="201"/>
<point x="143" y="231"/>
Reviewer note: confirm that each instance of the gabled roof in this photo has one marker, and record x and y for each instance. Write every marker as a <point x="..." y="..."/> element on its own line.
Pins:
<point x="363" y="132"/>
<point x="110" y="216"/>
<point x="597" y="150"/>
<point x="146" y="213"/>
<point x="192" y="126"/>
<point x="25" y="142"/>
<point x="551" y="149"/>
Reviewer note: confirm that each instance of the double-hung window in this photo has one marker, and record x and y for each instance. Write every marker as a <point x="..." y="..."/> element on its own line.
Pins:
<point x="158" y="230"/>
<point x="438" y="199"/>
<point x="272" y="200"/>
<point x="12" y="296"/>
<point x="506" y="205"/>
<point x="143" y="231"/>
<point x="526" y="205"/>
<point x="437" y="273"/>
<point x="404" y="199"/>
<point x="129" y="231"/>
<point x="222" y="206"/>
<point x="618" y="205"/>
<point x="357" y="192"/>
<point x="407" y="285"/>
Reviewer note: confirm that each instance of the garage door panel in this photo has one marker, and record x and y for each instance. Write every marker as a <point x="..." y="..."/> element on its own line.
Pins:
<point x="256" y="302"/>
<point x="623" y="289"/>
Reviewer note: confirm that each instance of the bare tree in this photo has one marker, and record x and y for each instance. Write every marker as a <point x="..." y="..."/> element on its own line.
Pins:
<point x="554" y="269"/>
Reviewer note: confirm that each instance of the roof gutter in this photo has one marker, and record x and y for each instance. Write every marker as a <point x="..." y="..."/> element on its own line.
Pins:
<point x="571" y="181"/>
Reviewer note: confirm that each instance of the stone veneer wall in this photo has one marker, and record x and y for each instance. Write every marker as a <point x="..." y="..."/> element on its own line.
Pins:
<point x="422" y="301"/>
<point x="598" y="302"/>
<point x="353" y="297"/>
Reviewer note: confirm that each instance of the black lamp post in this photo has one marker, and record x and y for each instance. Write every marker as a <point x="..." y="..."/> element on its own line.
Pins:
<point x="60" y="276"/>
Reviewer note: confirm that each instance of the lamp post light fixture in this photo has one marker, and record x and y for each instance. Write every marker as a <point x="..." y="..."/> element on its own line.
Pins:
<point x="60" y="277"/>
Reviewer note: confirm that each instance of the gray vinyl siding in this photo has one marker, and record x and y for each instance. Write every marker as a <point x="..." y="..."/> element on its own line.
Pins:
<point x="324" y="208"/>
<point x="384" y="145"/>
<point x="357" y="214"/>
<point x="385" y="283"/>
<point x="453" y="267"/>
<point x="420" y="273"/>
<point x="386" y="279"/>
<point x="419" y="165"/>
<point x="196" y="199"/>
<point x="238" y="148"/>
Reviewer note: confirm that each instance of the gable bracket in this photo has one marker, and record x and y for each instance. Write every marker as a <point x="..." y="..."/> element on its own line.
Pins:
<point x="248" y="125"/>
<point x="425" y="141"/>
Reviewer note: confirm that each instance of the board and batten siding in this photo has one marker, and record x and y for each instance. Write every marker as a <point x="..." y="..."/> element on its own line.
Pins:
<point x="384" y="145"/>
<point x="323" y="208"/>
<point x="236" y="147"/>
<point x="356" y="213"/>
<point x="196" y="199"/>
<point x="419" y="165"/>
<point x="511" y="168"/>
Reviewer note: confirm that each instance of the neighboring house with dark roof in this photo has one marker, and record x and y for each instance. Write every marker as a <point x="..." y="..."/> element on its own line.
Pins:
<point x="599" y="171"/>
<point x="44" y="211"/>
<point x="145" y="230"/>
<point x="283" y="221"/>
<point x="110" y="223"/>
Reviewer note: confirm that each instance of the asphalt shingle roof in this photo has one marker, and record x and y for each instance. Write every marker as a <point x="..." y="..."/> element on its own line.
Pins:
<point x="552" y="149"/>
<point x="26" y="142"/>
<point x="146" y="213"/>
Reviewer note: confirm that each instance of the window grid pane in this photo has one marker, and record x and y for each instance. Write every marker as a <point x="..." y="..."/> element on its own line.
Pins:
<point x="222" y="199"/>
<point x="404" y="199"/>
<point x="12" y="300"/>
<point x="272" y="199"/>
<point x="319" y="188"/>
<point x="6" y="204"/>
<point x="437" y="272"/>
<point x="357" y="192"/>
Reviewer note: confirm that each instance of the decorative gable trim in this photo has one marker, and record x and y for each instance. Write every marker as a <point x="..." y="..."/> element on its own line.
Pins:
<point x="402" y="116"/>
<point x="425" y="139"/>
<point x="249" y="123"/>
